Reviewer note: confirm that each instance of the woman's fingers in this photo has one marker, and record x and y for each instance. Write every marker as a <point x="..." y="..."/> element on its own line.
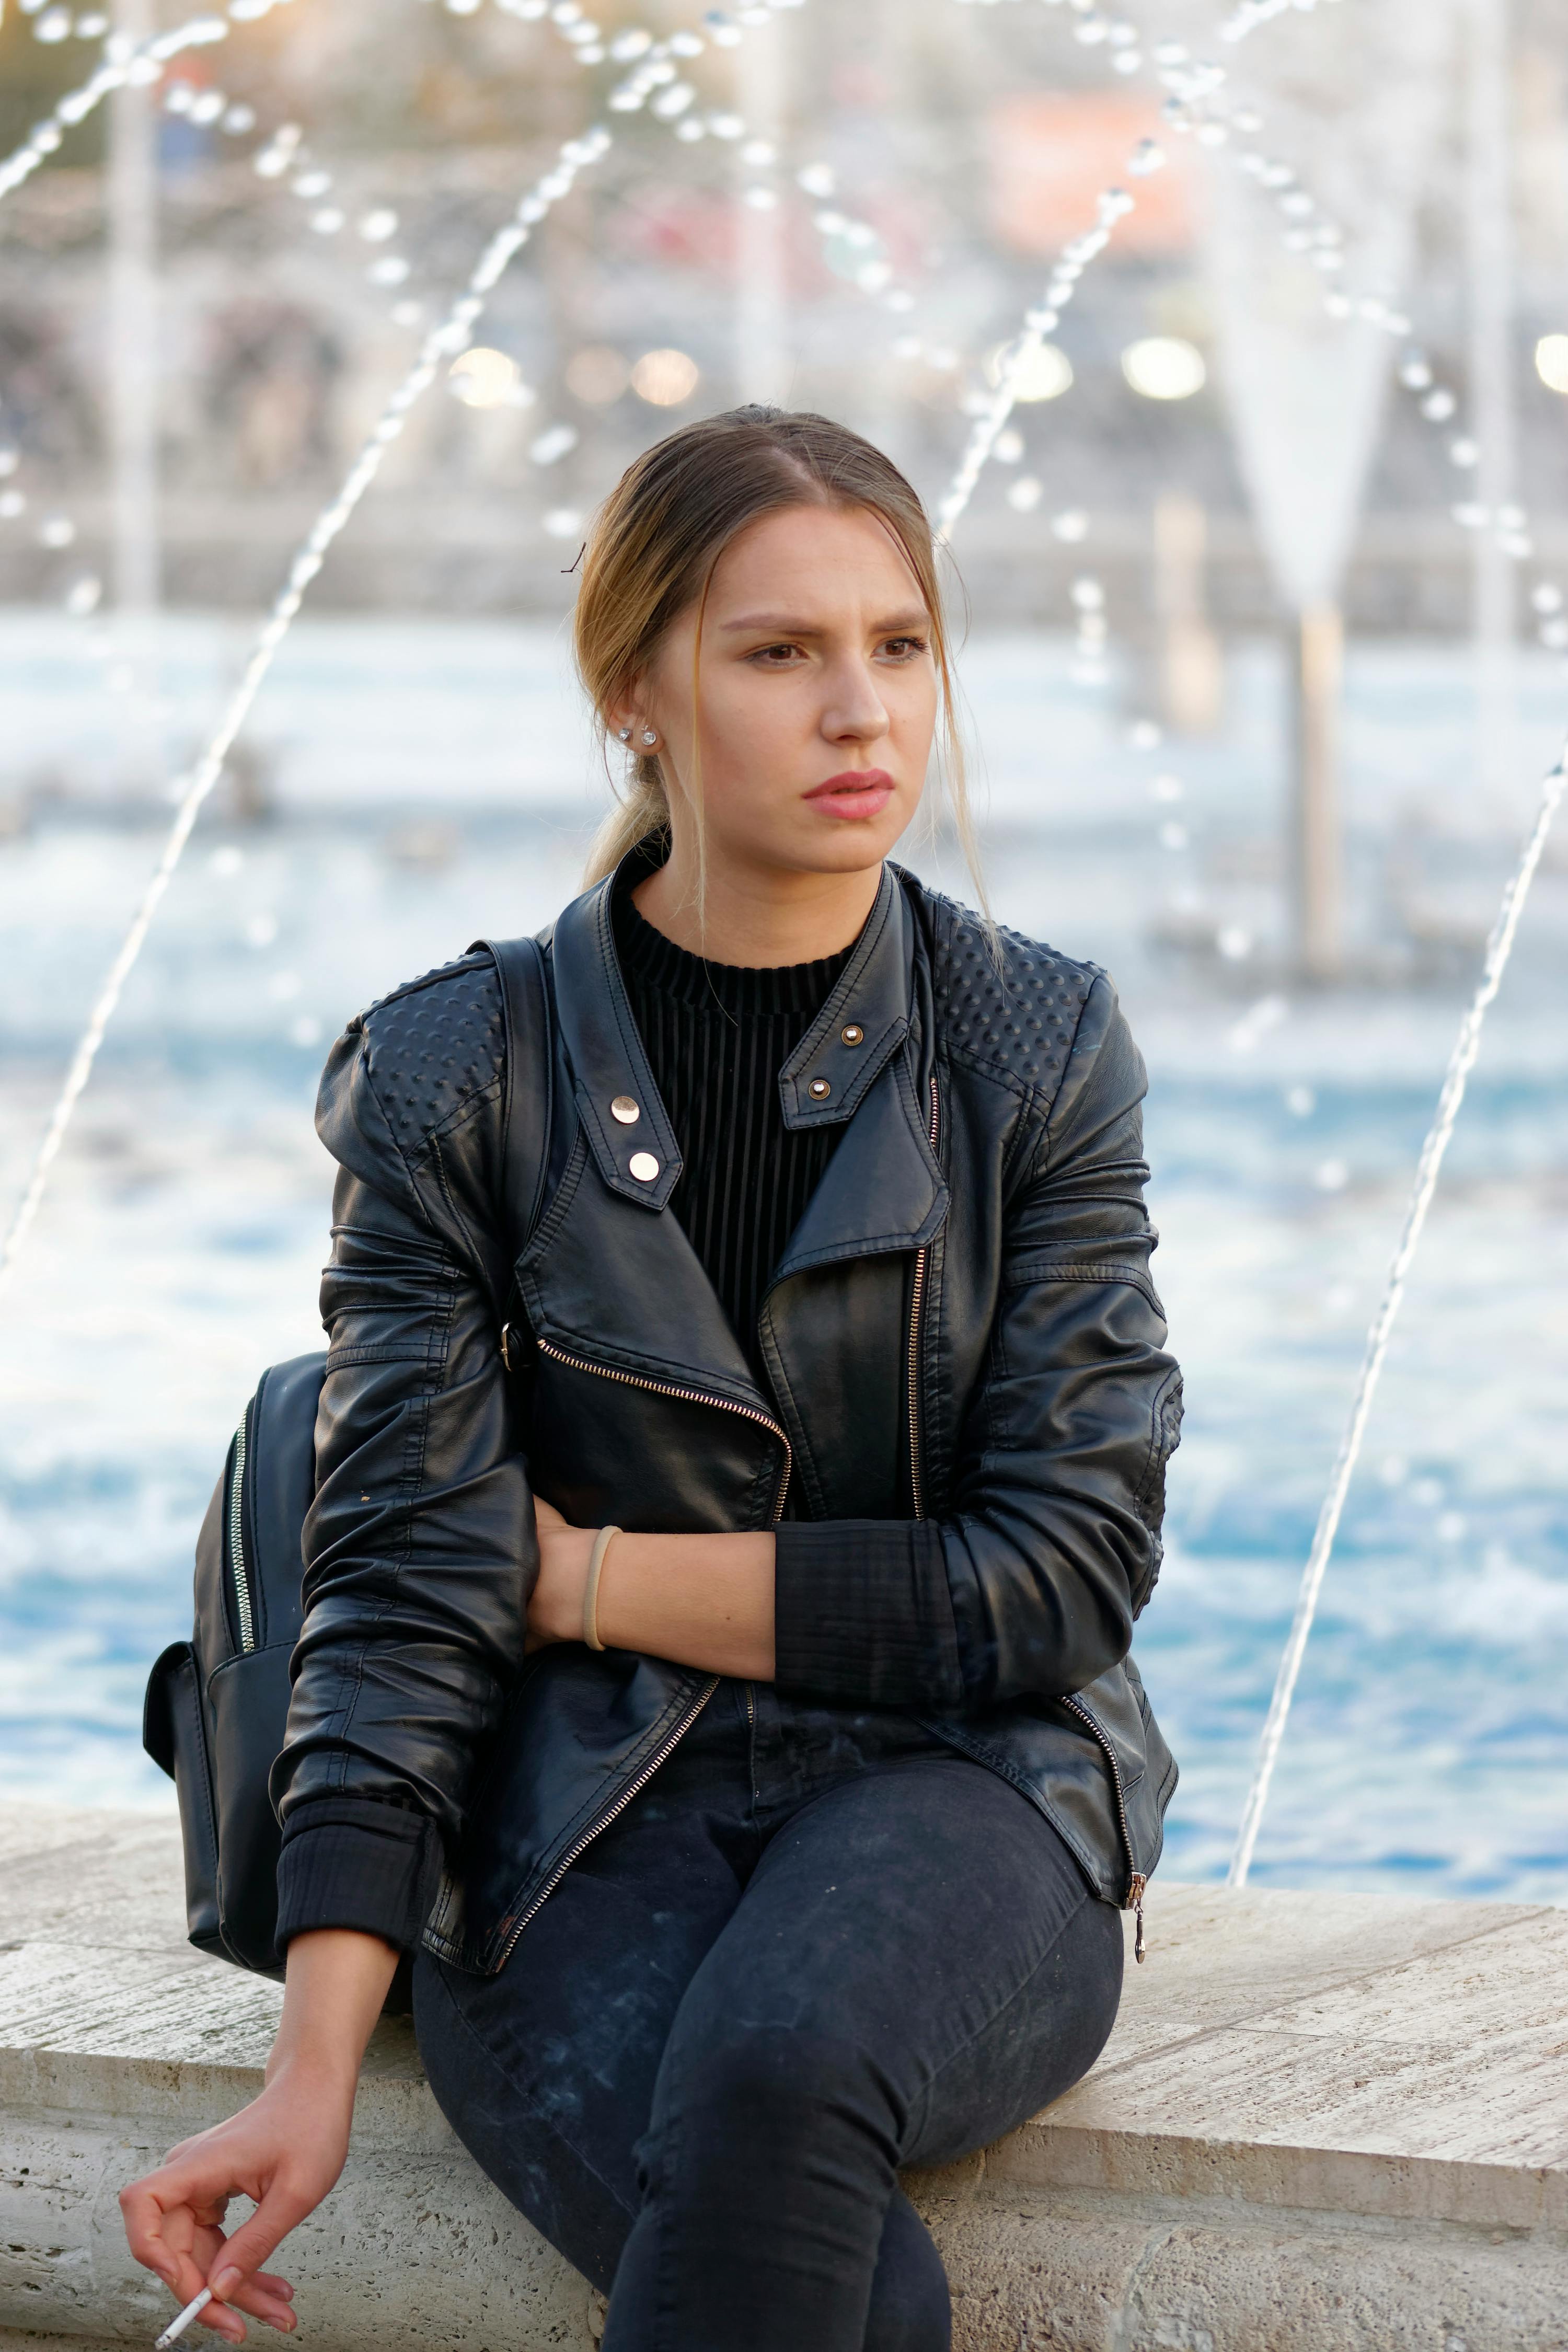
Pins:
<point x="223" y="2322"/>
<point x="235" y="2275"/>
<point x="266" y="2298"/>
<point x="171" y="2223"/>
<point x="161" y="2229"/>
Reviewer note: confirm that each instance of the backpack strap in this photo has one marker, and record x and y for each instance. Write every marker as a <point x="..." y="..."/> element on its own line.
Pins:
<point x="530" y="1064"/>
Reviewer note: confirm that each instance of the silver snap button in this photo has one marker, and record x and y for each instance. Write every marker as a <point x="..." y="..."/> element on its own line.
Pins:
<point x="643" y="1166"/>
<point x="625" y="1110"/>
<point x="819" y="1090"/>
<point x="852" y="1033"/>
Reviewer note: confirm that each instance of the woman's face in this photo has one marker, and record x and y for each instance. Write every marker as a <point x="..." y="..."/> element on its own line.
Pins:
<point x="817" y="696"/>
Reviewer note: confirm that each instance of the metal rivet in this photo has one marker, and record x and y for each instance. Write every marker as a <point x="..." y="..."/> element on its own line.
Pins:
<point x="643" y="1166"/>
<point x="625" y="1110"/>
<point x="819" y="1090"/>
<point x="852" y="1033"/>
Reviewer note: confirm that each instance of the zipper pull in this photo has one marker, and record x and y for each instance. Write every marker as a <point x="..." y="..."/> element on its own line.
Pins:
<point x="1134" y="1903"/>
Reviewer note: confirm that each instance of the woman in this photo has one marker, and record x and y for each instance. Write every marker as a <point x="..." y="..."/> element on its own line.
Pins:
<point x="774" y="1838"/>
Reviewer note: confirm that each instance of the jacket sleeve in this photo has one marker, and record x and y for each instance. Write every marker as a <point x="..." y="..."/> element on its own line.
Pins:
<point x="419" y="1549"/>
<point x="1028" y="1583"/>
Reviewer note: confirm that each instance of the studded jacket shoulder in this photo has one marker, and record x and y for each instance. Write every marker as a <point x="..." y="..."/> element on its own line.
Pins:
<point x="1004" y="1005"/>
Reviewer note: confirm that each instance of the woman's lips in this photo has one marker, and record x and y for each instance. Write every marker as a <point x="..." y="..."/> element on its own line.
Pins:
<point x="859" y="792"/>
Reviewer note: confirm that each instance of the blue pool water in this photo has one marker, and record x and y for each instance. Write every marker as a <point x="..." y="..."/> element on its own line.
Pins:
<point x="179" y="1249"/>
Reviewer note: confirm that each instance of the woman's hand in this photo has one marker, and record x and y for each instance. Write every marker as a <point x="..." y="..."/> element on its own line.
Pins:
<point x="555" y="1605"/>
<point x="284" y="2151"/>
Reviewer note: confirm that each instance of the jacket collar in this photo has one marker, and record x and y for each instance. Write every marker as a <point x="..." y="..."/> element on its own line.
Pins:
<point x="887" y="1195"/>
<point x="605" y="1052"/>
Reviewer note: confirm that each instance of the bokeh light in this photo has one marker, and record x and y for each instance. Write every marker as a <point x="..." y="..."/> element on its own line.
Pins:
<point x="1045" y="373"/>
<point x="665" y="378"/>
<point x="1164" y="367"/>
<point x="483" y="378"/>
<point x="1552" y="362"/>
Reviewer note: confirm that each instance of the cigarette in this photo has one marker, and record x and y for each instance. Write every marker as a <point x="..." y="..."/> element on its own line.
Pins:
<point x="182" y="2319"/>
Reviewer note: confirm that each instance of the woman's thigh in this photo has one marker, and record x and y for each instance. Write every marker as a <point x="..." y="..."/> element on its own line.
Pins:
<point x="916" y="1944"/>
<point x="546" y="2072"/>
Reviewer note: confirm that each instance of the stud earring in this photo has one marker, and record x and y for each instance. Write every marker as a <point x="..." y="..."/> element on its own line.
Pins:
<point x="649" y="737"/>
<point x="625" y="733"/>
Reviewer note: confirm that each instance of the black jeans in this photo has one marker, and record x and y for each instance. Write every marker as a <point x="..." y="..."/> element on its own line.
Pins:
<point x="818" y="1946"/>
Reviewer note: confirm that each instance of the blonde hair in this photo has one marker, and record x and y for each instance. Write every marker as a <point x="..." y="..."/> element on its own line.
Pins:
<point x="651" y="552"/>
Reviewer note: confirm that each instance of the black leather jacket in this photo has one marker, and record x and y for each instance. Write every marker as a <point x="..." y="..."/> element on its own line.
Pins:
<point x="969" y="1405"/>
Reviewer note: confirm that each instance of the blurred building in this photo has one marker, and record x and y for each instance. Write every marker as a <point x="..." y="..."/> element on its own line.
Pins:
<point x="968" y="145"/>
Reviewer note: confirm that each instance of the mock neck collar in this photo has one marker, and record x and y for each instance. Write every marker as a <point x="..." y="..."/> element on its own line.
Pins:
<point x="743" y="991"/>
<point x="862" y="1022"/>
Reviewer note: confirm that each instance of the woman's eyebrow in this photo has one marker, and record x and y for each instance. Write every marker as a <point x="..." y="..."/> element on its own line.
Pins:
<point x="787" y="626"/>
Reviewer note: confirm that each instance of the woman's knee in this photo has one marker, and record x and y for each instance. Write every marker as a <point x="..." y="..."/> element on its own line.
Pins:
<point x="911" y="2309"/>
<point x="1042" y="2042"/>
<point x="772" y="2087"/>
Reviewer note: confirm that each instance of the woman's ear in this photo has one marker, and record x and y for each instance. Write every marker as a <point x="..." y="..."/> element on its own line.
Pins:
<point x="622" y="715"/>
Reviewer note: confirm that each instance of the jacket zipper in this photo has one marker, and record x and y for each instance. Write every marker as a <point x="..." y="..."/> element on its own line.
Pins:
<point x="677" y="1731"/>
<point x="237" y="1567"/>
<point x="916" y="1299"/>
<point x="686" y="1396"/>
<point x="638" y="1781"/>
<point x="1136" y="1879"/>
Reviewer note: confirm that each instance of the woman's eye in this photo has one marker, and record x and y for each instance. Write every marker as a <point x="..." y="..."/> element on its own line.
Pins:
<point x="915" y="646"/>
<point x="764" y="654"/>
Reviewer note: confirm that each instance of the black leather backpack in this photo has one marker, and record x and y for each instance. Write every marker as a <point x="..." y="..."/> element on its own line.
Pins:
<point x="217" y="1705"/>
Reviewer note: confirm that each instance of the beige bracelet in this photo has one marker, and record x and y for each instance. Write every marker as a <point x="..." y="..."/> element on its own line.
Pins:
<point x="602" y="1542"/>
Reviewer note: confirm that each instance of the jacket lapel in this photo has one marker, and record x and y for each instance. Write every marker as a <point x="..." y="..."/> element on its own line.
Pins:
<point x="883" y="1189"/>
<point x="604" y="1279"/>
<point x="617" y="1102"/>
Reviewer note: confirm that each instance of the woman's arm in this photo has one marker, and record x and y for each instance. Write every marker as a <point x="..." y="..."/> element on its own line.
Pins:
<point x="418" y="1552"/>
<point x="1048" y="1545"/>
<point x="702" y="1601"/>
<point x="284" y="2151"/>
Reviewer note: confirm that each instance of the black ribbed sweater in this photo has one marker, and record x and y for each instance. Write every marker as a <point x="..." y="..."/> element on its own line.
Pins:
<point x="716" y="1037"/>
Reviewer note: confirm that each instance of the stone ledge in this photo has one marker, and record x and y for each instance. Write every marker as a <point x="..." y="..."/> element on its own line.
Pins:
<point x="1322" y="2122"/>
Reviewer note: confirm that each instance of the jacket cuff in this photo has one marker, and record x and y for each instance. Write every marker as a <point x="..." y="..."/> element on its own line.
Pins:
<point x="358" y="1863"/>
<point x="862" y="1613"/>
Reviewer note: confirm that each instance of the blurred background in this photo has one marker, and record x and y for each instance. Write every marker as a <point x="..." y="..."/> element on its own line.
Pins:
<point x="1263" y="662"/>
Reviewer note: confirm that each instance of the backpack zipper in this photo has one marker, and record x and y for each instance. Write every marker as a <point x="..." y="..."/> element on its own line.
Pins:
<point x="916" y="1299"/>
<point x="1136" y="1879"/>
<point x="237" y="1569"/>
<point x="677" y="1731"/>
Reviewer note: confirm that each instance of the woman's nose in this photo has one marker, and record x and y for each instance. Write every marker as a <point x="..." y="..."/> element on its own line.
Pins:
<point x="855" y="709"/>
